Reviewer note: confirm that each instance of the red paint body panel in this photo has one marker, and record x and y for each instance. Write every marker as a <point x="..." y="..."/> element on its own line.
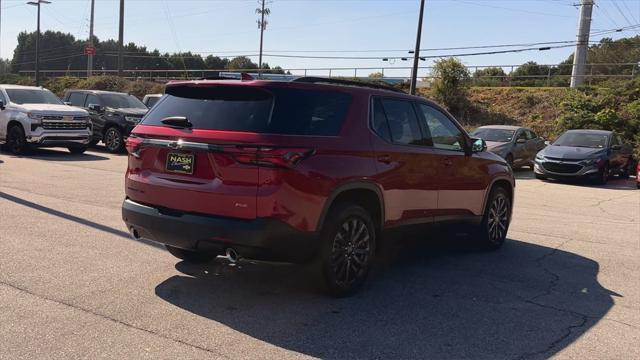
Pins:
<point x="417" y="183"/>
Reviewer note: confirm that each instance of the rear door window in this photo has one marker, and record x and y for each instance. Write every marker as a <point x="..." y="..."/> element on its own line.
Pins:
<point x="262" y="110"/>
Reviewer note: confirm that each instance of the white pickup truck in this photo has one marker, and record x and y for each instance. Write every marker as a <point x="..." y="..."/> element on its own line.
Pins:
<point x="35" y="117"/>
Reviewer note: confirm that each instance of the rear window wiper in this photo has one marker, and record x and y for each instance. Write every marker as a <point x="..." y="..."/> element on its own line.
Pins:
<point x="177" y="121"/>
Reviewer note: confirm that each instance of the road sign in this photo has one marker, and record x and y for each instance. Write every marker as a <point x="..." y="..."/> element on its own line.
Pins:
<point x="89" y="50"/>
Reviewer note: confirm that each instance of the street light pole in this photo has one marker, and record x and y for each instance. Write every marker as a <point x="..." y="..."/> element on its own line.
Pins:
<point x="90" y="55"/>
<point x="37" y="70"/>
<point x="121" y="39"/>
<point x="416" y="54"/>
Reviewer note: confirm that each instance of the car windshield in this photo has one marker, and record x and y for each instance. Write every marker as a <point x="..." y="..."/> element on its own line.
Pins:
<point x="577" y="139"/>
<point x="33" y="96"/>
<point x="496" y="135"/>
<point x="122" y="101"/>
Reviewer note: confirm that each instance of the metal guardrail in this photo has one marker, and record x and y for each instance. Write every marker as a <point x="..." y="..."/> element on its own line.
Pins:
<point x="396" y="74"/>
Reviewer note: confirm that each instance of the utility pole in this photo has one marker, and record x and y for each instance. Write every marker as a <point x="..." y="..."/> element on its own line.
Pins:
<point x="416" y="54"/>
<point x="90" y="55"/>
<point x="262" y="25"/>
<point x="37" y="3"/>
<point x="582" y="44"/>
<point x="121" y="39"/>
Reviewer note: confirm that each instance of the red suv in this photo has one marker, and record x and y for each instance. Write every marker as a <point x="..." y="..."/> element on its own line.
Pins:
<point x="306" y="170"/>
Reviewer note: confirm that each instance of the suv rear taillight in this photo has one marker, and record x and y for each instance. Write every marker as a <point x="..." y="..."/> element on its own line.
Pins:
<point x="133" y="145"/>
<point x="271" y="156"/>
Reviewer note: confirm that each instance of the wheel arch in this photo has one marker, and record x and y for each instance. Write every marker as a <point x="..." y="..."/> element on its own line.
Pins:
<point x="366" y="194"/>
<point x="504" y="182"/>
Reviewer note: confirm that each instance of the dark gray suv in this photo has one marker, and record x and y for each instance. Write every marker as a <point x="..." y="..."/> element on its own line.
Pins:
<point x="113" y="114"/>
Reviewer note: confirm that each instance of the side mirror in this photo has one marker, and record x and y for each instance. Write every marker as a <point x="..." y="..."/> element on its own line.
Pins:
<point x="547" y="142"/>
<point x="68" y="103"/>
<point x="1" y="105"/>
<point x="521" y="141"/>
<point x="95" y="107"/>
<point x="478" y="145"/>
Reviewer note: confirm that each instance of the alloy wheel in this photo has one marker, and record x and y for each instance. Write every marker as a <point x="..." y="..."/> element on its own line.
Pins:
<point x="351" y="252"/>
<point x="112" y="139"/>
<point x="498" y="219"/>
<point x="16" y="140"/>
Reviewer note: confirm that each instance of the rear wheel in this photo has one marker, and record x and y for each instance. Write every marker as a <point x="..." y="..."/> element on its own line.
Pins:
<point x="495" y="222"/>
<point x="190" y="256"/>
<point x="348" y="247"/>
<point x="113" y="140"/>
<point x="16" y="141"/>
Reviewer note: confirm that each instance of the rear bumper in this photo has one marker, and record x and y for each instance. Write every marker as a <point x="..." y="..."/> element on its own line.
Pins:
<point x="259" y="239"/>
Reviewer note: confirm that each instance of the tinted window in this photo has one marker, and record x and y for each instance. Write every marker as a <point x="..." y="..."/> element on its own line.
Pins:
<point x="261" y="110"/>
<point x="444" y="134"/>
<point x="531" y="135"/>
<point x="522" y="134"/>
<point x="77" y="99"/>
<point x="403" y="123"/>
<point x="616" y="140"/>
<point x="91" y="99"/>
<point x="2" y="98"/>
<point x="379" y="121"/>
<point x="32" y="96"/>
<point x="152" y="101"/>
<point x="121" y="101"/>
<point x="577" y="139"/>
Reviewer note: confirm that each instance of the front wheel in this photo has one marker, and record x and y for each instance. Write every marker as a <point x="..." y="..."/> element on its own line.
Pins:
<point x="16" y="141"/>
<point x="496" y="219"/>
<point x="190" y="256"/>
<point x="603" y="175"/>
<point x="348" y="247"/>
<point x="113" y="140"/>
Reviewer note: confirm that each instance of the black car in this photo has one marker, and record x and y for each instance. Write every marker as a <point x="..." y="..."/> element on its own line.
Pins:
<point x="113" y="114"/>
<point x="591" y="154"/>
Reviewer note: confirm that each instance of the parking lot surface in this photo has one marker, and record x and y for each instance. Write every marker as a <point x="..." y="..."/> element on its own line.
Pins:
<point x="74" y="285"/>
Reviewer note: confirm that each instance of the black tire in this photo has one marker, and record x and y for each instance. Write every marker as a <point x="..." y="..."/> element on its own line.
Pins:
<point x="77" y="149"/>
<point x="509" y="159"/>
<point x="16" y="141"/>
<point x="496" y="219"/>
<point x="190" y="256"/>
<point x="113" y="140"/>
<point x="348" y="241"/>
<point x="603" y="175"/>
<point x="626" y="172"/>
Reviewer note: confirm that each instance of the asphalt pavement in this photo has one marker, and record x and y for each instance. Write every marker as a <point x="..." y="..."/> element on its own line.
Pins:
<point x="74" y="285"/>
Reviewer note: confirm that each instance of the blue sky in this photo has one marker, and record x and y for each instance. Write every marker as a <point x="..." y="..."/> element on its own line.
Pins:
<point x="228" y="27"/>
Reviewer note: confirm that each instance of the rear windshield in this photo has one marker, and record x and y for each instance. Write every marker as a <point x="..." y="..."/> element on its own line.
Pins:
<point x="262" y="110"/>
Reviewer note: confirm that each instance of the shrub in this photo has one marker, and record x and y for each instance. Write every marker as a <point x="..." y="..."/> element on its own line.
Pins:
<point x="451" y="84"/>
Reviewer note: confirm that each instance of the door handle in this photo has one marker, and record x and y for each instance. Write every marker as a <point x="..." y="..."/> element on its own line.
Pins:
<point x="386" y="159"/>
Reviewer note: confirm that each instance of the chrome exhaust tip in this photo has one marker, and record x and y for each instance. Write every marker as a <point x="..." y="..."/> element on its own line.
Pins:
<point x="232" y="255"/>
<point x="134" y="233"/>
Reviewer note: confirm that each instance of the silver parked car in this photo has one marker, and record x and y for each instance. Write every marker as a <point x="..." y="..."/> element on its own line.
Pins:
<point x="517" y="145"/>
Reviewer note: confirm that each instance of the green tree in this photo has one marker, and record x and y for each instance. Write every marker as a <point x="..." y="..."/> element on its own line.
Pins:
<point x="241" y="63"/>
<point x="491" y="76"/>
<point x="451" y="84"/>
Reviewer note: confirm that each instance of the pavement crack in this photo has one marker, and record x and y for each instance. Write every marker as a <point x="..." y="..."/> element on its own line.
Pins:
<point x="114" y="320"/>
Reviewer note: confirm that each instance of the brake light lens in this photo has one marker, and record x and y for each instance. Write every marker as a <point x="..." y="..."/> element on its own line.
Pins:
<point x="272" y="157"/>
<point x="133" y="145"/>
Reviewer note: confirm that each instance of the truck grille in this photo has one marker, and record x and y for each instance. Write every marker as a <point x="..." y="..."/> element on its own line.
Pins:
<point x="561" y="168"/>
<point x="58" y="122"/>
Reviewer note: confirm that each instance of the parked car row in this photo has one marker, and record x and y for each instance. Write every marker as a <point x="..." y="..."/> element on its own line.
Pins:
<point x="591" y="154"/>
<point x="35" y="117"/>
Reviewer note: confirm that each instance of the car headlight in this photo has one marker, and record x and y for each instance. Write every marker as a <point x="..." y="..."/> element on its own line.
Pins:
<point x="132" y="119"/>
<point x="35" y="117"/>
<point x="590" y="162"/>
<point x="539" y="157"/>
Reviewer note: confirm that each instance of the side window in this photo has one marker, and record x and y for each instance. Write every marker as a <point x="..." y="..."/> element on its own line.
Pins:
<point x="616" y="140"/>
<point x="379" y="123"/>
<point x="77" y="99"/>
<point x="531" y="135"/>
<point x="91" y="99"/>
<point x="444" y="134"/>
<point x="2" y="98"/>
<point x="403" y="123"/>
<point x="522" y="134"/>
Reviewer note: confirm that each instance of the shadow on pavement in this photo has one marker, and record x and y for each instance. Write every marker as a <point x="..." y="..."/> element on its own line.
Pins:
<point x="61" y="155"/>
<point x="74" y="218"/>
<point x="614" y="183"/>
<point x="437" y="301"/>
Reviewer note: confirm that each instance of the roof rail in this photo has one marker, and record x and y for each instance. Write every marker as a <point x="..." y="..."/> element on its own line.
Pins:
<point x="369" y="84"/>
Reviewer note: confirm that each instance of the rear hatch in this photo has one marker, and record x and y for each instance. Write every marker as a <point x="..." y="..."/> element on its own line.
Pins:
<point x="200" y="148"/>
